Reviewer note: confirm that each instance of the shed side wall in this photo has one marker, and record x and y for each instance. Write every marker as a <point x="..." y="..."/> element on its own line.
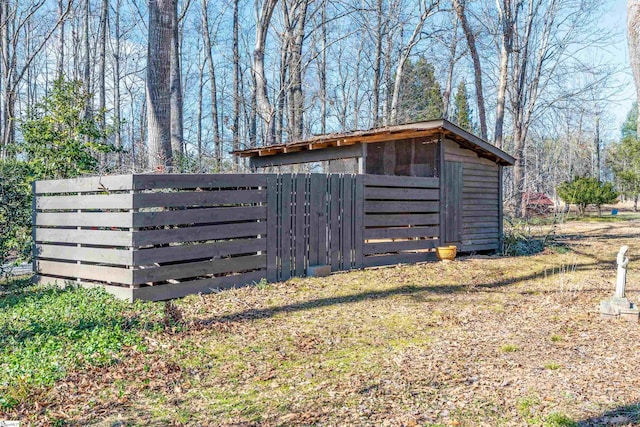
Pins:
<point x="480" y="199"/>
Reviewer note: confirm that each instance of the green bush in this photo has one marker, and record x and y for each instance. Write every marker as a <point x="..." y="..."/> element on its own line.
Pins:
<point x="15" y="211"/>
<point x="587" y="191"/>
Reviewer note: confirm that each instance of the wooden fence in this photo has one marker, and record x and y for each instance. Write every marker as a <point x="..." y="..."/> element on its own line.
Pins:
<point x="157" y="237"/>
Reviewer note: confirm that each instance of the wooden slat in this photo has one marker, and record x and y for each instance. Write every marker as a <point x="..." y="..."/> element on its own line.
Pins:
<point x="394" y="206"/>
<point x="198" y="198"/>
<point x="347" y="217"/>
<point x="75" y="253"/>
<point x="492" y="240"/>
<point x="204" y="286"/>
<point x="198" y="251"/>
<point x="382" y="193"/>
<point x="480" y="224"/>
<point x="334" y="223"/>
<point x="481" y="167"/>
<point x="85" y="271"/>
<point x="398" y="246"/>
<point x="359" y="222"/>
<point x="399" y="233"/>
<point x="85" y="237"/>
<point x="401" y="219"/>
<point x="194" y="269"/>
<point x="299" y="238"/>
<point x="85" y="184"/>
<point x="323" y="236"/>
<point x="286" y="230"/>
<point x="471" y="216"/>
<point x="199" y="216"/>
<point x="480" y="234"/>
<point x="399" y="181"/>
<point x="120" y="292"/>
<point x="182" y="181"/>
<point x="86" y="201"/>
<point x="315" y="210"/>
<point x="200" y="233"/>
<point x="85" y="219"/>
<point x="489" y="187"/>
<point x="272" y="228"/>
<point x="408" y="258"/>
<point x="480" y="247"/>
<point x="480" y="195"/>
<point x="476" y="174"/>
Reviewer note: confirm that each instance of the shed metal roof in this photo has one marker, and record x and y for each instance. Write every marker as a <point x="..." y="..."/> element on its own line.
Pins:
<point x="430" y="128"/>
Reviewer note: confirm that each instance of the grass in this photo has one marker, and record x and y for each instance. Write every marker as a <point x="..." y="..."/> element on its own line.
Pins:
<point x="45" y="332"/>
<point x="479" y="341"/>
<point x="509" y="348"/>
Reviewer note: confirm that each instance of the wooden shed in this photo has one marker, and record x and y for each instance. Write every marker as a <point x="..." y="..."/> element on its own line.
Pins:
<point x="469" y="171"/>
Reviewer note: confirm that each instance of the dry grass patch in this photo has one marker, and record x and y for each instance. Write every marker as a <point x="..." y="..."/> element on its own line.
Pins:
<point x="412" y="345"/>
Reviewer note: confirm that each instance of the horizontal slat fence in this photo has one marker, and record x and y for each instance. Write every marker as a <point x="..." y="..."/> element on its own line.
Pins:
<point x="401" y="219"/>
<point x="158" y="237"/>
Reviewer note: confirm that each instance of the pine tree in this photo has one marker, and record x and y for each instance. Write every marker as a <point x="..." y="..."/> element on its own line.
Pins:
<point x="420" y="93"/>
<point x="462" y="112"/>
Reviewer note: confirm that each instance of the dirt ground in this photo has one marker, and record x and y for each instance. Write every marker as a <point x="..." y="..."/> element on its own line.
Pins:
<point x="480" y="341"/>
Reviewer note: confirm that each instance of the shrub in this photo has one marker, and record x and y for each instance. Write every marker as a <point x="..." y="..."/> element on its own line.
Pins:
<point x="587" y="191"/>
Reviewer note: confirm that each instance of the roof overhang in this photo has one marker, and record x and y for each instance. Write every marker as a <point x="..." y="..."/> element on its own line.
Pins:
<point x="426" y="129"/>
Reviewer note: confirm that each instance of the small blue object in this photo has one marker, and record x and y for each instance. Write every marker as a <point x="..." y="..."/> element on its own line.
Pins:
<point x="614" y="212"/>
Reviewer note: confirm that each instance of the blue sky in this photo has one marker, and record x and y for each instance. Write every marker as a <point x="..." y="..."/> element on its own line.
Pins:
<point x="616" y="20"/>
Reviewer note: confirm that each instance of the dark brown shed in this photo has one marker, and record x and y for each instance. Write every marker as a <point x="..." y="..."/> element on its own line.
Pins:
<point x="469" y="170"/>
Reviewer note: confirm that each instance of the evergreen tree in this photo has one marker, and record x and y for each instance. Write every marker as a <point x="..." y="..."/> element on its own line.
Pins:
<point x="624" y="158"/>
<point x="420" y="93"/>
<point x="462" y="112"/>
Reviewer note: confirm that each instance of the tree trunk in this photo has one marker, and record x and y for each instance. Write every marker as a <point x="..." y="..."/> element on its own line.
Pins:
<point x="176" y="109"/>
<point x="413" y="40"/>
<point x="86" y="60"/>
<point x="505" y="14"/>
<point x="161" y="21"/>
<point x="102" y="62"/>
<point x="375" y="107"/>
<point x="633" y="32"/>
<point x="477" y="68"/>
<point x="60" y="59"/>
<point x="296" y="99"/>
<point x="236" y="85"/>
<point x="212" y="85"/>
<point x="116" y="84"/>
<point x="446" y="96"/>
<point x="263" y="105"/>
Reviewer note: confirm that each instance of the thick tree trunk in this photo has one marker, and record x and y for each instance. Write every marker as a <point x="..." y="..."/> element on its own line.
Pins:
<point x="263" y="105"/>
<point x="160" y="39"/>
<point x="296" y="99"/>
<point x="505" y="15"/>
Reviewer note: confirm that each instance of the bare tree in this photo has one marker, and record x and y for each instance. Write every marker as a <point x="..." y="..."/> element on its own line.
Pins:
<point x="427" y="10"/>
<point x="212" y="84"/>
<point x="633" y="30"/>
<point x="263" y="105"/>
<point x="459" y="6"/>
